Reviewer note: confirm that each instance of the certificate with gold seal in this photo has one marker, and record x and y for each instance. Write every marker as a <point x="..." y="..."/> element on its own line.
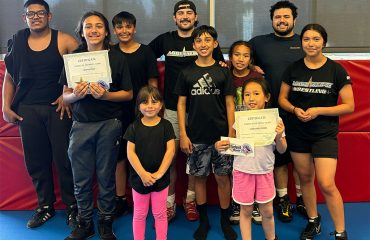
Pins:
<point x="257" y="125"/>
<point x="89" y="67"/>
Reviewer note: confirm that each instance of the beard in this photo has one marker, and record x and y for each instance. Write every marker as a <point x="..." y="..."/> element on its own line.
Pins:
<point x="185" y="29"/>
<point x="285" y="32"/>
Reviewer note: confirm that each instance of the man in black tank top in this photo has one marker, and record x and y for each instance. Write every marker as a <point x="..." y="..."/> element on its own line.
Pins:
<point x="32" y="98"/>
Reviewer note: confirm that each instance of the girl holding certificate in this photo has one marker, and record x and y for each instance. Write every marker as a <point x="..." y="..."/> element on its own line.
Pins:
<point x="309" y="91"/>
<point x="96" y="131"/>
<point x="253" y="179"/>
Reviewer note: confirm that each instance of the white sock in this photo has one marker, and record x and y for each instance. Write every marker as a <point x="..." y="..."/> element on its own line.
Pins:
<point x="282" y="191"/>
<point x="170" y="200"/>
<point x="298" y="190"/>
<point x="190" y="196"/>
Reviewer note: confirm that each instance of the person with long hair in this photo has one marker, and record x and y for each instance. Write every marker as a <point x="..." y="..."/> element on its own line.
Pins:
<point x="96" y="131"/>
<point x="309" y="92"/>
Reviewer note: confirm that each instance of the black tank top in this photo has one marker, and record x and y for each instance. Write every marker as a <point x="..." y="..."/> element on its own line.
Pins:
<point x="46" y="66"/>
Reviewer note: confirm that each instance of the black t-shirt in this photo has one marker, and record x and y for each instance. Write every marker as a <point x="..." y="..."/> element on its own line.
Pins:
<point x="205" y="89"/>
<point x="90" y="109"/>
<point x="314" y="88"/>
<point x="143" y="66"/>
<point x="274" y="54"/>
<point x="179" y="53"/>
<point x="150" y="147"/>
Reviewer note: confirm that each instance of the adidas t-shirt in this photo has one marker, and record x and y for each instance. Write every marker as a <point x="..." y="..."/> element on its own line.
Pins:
<point x="205" y="89"/>
<point x="179" y="53"/>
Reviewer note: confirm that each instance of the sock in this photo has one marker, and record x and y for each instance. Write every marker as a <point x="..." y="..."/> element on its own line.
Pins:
<point x="203" y="228"/>
<point x="123" y="197"/>
<point x="282" y="191"/>
<point x="228" y="231"/>
<point x="298" y="190"/>
<point x="190" y="196"/>
<point x="171" y="200"/>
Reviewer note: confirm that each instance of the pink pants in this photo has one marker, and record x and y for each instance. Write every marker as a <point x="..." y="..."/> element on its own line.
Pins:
<point x="159" y="210"/>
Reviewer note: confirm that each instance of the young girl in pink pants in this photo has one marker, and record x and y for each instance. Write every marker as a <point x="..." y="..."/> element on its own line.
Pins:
<point x="150" y="149"/>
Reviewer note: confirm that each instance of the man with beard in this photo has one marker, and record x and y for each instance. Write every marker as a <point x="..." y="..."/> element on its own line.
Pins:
<point x="273" y="53"/>
<point x="33" y="99"/>
<point x="177" y="46"/>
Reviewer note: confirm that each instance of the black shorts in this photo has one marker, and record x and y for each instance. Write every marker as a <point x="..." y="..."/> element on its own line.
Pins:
<point x="324" y="147"/>
<point x="282" y="159"/>
<point x="122" y="152"/>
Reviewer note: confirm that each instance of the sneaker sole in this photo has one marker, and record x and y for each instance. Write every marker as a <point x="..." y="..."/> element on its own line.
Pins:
<point x="256" y="222"/>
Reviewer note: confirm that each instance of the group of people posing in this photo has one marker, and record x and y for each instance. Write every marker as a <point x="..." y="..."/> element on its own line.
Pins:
<point x="88" y="131"/>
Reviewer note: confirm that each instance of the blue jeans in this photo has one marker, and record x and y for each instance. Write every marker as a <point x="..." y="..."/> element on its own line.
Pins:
<point x="93" y="148"/>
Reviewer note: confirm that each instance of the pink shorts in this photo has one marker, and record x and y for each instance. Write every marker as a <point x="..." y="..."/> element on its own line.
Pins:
<point x="250" y="188"/>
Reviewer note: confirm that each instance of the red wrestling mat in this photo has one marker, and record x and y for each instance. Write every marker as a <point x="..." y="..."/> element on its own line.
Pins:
<point x="16" y="190"/>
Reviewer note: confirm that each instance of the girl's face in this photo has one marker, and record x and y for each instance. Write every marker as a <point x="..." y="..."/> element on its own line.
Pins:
<point x="253" y="96"/>
<point x="150" y="108"/>
<point x="240" y="57"/>
<point x="94" y="31"/>
<point x="312" y="43"/>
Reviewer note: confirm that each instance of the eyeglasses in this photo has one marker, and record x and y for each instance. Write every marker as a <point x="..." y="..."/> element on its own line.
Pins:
<point x="40" y="14"/>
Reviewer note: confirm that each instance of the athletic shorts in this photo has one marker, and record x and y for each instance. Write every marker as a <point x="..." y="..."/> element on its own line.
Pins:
<point x="122" y="154"/>
<point x="171" y="116"/>
<point x="282" y="159"/>
<point x="249" y="188"/>
<point x="325" y="147"/>
<point x="204" y="157"/>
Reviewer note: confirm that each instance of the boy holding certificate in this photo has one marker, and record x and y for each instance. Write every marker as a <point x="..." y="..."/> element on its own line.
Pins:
<point x="207" y="89"/>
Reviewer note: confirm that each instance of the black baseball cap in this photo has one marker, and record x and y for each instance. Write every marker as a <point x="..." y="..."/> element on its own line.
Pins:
<point x="184" y="4"/>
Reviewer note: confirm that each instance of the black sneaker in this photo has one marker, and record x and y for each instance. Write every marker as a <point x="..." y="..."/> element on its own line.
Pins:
<point x="312" y="229"/>
<point x="340" y="236"/>
<point x="83" y="230"/>
<point x="105" y="229"/>
<point x="301" y="208"/>
<point x="285" y="209"/>
<point x="235" y="213"/>
<point x="72" y="213"/>
<point x="42" y="215"/>
<point x="276" y="238"/>
<point x="256" y="215"/>
<point x="121" y="206"/>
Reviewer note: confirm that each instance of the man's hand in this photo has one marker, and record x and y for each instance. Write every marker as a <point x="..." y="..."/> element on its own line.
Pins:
<point x="62" y="107"/>
<point x="11" y="117"/>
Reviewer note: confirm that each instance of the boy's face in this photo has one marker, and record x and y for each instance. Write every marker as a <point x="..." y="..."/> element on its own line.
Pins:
<point x="37" y="18"/>
<point x="125" y="32"/>
<point x="204" y="45"/>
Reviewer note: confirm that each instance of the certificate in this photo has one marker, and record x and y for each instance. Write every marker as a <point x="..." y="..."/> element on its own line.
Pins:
<point x="89" y="67"/>
<point x="239" y="147"/>
<point x="257" y="125"/>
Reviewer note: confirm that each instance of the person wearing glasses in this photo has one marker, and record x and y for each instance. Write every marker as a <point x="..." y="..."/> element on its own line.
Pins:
<point x="32" y="99"/>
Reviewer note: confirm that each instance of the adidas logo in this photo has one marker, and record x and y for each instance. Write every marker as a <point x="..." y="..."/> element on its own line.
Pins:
<point x="205" y="86"/>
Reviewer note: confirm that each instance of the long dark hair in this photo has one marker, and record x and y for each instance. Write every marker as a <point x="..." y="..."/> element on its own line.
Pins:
<point x="143" y="95"/>
<point x="79" y="29"/>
